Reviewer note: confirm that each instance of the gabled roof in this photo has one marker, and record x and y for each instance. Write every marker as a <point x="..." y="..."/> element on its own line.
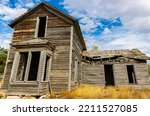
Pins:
<point x="57" y="12"/>
<point x="134" y="53"/>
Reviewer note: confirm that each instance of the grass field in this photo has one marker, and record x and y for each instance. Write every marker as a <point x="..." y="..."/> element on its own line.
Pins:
<point x="96" y="92"/>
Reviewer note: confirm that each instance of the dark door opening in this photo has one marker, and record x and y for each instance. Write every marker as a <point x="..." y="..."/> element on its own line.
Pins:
<point x="131" y="74"/>
<point x="42" y="25"/>
<point x="34" y="66"/>
<point x="109" y="76"/>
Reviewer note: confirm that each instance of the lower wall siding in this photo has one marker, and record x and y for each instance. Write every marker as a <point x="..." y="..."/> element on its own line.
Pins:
<point x="59" y="80"/>
<point x="141" y="73"/>
<point x="120" y="74"/>
<point x="94" y="74"/>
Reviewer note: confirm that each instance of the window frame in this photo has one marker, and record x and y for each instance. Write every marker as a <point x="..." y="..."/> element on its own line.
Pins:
<point x="37" y="26"/>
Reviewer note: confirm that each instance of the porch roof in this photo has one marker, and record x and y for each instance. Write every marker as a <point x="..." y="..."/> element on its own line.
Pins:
<point x="33" y="43"/>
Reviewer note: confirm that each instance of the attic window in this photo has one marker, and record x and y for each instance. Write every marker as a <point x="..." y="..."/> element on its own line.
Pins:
<point x="41" y="26"/>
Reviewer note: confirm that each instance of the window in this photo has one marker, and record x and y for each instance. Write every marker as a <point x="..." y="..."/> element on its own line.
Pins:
<point x="131" y="74"/>
<point x="31" y="66"/>
<point x="41" y="27"/>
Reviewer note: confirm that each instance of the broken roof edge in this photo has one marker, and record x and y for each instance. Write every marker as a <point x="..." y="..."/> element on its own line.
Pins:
<point x="134" y="54"/>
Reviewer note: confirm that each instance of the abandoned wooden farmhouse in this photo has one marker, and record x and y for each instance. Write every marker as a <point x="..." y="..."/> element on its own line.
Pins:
<point x="48" y="53"/>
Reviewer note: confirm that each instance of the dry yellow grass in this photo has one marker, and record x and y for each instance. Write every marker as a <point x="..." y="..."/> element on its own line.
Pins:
<point x="96" y="92"/>
<point x="2" y="95"/>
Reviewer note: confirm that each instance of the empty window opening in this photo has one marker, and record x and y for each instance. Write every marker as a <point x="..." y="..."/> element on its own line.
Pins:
<point x="109" y="76"/>
<point x="42" y="26"/>
<point x="131" y="74"/>
<point x="34" y="66"/>
<point x="46" y="69"/>
<point x="22" y="66"/>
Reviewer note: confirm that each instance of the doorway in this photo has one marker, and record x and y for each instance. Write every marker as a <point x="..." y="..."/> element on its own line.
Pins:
<point x="109" y="76"/>
<point x="131" y="74"/>
<point x="34" y="66"/>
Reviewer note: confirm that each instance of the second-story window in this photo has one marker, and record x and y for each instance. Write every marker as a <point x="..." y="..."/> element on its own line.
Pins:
<point x="41" y="27"/>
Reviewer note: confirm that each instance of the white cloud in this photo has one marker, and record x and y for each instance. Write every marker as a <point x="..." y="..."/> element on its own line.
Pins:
<point x="31" y="4"/>
<point x="130" y="41"/>
<point x="87" y="24"/>
<point x="134" y="14"/>
<point x="106" y="31"/>
<point x="8" y="13"/>
<point x="5" y="39"/>
<point x="128" y="10"/>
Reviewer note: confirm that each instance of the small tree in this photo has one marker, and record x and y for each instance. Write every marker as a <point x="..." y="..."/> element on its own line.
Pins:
<point x="3" y="56"/>
<point x="95" y="48"/>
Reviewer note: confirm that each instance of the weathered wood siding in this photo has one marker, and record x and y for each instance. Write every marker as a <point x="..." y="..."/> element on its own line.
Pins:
<point x="76" y="57"/>
<point x="141" y="74"/>
<point x="58" y="33"/>
<point x="120" y="74"/>
<point x="93" y="74"/>
<point x="8" y="67"/>
<point x="23" y="89"/>
<point x="60" y="69"/>
<point x="33" y="88"/>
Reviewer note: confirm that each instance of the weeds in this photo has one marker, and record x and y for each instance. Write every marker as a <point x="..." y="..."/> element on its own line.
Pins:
<point x="2" y="95"/>
<point x="97" y="92"/>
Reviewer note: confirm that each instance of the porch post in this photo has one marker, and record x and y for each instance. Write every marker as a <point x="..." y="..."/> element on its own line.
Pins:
<point x="28" y="66"/>
<point x="15" y="66"/>
<point x="48" y="68"/>
<point x="41" y="68"/>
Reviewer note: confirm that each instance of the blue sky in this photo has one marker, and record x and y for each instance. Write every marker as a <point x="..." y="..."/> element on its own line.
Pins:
<point x="108" y="24"/>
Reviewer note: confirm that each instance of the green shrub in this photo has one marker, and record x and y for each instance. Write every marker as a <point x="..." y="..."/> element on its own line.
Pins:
<point x="3" y="56"/>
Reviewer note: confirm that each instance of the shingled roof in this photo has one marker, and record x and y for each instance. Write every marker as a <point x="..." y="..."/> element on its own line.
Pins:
<point x="134" y="53"/>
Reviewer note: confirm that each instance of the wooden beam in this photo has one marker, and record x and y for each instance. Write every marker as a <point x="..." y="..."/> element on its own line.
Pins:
<point x="28" y="66"/>
<point x="41" y="67"/>
<point x="48" y="73"/>
<point x="37" y="27"/>
<point x="76" y="70"/>
<point x="15" y="66"/>
<point x="70" y="58"/>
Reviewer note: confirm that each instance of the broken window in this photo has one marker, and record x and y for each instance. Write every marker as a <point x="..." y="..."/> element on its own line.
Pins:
<point x="131" y="74"/>
<point x="109" y="76"/>
<point x="28" y="66"/>
<point x="42" y="26"/>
